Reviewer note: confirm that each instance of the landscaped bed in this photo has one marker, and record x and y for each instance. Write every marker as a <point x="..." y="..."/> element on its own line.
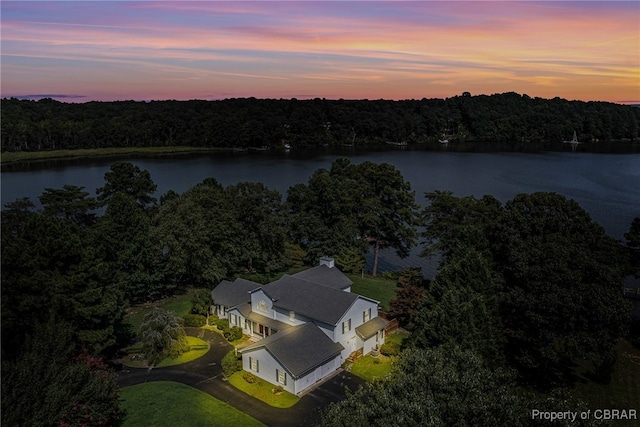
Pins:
<point x="170" y="404"/>
<point x="263" y="390"/>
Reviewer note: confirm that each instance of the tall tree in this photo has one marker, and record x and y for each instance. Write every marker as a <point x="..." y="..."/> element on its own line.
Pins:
<point x="196" y="234"/>
<point x="124" y="177"/>
<point x="563" y="279"/>
<point x="387" y="211"/>
<point x="71" y="202"/>
<point x="261" y="233"/>
<point x="443" y="386"/>
<point x="162" y="335"/>
<point x="124" y="243"/>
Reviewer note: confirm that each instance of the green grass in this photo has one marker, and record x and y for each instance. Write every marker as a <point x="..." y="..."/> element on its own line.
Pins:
<point x="370" y="368"/>
<point x="12" y="157"/>
<point x="199" y="349"/>
<point x="170" y="404"/>
<point x="379" y="289"/>
<point x="397" y="337"/>
<point x="262" y="390"/>
<point x="623" y="392"/>
<point x="179" y="304"/>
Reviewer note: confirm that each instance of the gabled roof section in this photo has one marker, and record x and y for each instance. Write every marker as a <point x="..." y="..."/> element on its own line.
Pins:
<point x="299" y="349"/>
<point x="369" y="328"/>
<point x="245" y="310"/>
<point x="315" y="301"/>
<point x="325" y="276"/>
<point x="233" y="293"/>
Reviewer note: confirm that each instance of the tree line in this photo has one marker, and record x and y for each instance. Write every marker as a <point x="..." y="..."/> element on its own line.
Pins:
<point x="517" y="122"/>
<point x="528" y="287"/>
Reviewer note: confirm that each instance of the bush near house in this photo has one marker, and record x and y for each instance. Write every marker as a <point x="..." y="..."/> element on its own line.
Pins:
<point x="249" y="377"/>
<point x="195" y="320"/>
<point x="231" y="363"/>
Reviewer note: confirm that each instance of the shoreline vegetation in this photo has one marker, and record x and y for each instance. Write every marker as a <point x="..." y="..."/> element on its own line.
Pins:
<point x="498" y="122"/>
<point x="115" y="152"/>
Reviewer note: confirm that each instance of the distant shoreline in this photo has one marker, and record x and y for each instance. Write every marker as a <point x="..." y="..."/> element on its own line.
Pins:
<point x="81" y="153"/>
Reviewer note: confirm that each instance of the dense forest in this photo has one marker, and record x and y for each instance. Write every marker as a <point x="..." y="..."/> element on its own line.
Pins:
<point x="505" y="320"/>
<point x="515" y="122"/>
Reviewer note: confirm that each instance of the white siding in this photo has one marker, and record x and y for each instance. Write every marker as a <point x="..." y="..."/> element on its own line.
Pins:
<point x="260" y="300"/>
<point x="268" y="367"/>
<point x="349" y="339"/>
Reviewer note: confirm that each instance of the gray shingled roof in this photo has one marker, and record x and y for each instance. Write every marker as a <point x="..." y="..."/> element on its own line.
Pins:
<point x="299" y="349"/>
<point x="323" y="275"/>
<point x="320" y="303"/>
<point x="369" y="328"/>
<point x="233" y="293"/>
<point x="245" y="310"/>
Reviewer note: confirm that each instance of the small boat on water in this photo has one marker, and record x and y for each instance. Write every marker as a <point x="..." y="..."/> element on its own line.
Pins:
<point x="574" y="141"/>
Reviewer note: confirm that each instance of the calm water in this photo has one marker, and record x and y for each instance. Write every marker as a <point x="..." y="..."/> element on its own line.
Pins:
<point x="606" y="185"/>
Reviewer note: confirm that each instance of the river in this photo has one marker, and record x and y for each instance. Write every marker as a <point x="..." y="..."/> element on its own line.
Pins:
<point x="605" y="185"/>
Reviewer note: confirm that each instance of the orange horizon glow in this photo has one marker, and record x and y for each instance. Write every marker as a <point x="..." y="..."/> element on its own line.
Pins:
<point x="82" y="51"/>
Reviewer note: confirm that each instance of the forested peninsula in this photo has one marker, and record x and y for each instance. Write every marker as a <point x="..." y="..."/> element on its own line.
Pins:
<point x="505" y="122"/>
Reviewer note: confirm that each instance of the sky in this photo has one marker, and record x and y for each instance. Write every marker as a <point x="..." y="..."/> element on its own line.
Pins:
<point x="79" y="51"/>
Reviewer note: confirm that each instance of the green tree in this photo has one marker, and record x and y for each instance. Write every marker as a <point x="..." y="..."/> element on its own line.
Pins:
<point x="162" y="335"/>
<point x="350" y="205"/>
<point x="462" y="308"/>
<point x="124" y="177"/>
<point x="71" y="202"/>
<point x="633" y="247"/>
<point x="201" y="302"/>
<point x="563" y="277"/>
<point x="51" y="383"/>
<point x="387" y="209"/>
<point x="123" y="240"/>
<point x="51" y="265"/>
<point x="261" y="233"/>
<point x="196" y="235"/>
<point x="443" y="386"/>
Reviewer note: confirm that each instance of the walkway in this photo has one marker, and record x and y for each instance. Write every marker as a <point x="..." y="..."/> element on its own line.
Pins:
<point x="205" y="374"/>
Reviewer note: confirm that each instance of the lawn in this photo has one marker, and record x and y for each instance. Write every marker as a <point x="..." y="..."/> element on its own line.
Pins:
<point x="198" y="349"/>
<point x="379" y="289"/>
<point x="623" y="392"/>
<point x="170" y="404"/>
<point x="371" y="368"/>
<point x="262" y="390"/>
<point x="179" y="304"/>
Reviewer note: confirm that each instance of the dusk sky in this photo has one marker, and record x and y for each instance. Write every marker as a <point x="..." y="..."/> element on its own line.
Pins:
<point x="78" y="51"/>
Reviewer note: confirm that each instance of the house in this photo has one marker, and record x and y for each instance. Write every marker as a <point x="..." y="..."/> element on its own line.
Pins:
<point x="304" y="326"/>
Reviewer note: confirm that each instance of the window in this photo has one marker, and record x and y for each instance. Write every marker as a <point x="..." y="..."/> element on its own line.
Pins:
<point x="282" y="377"/>
<point x="379" y="335"/>
<point x="233" y="319"/>
<point x="346" y="326"/>
<point x="366" y="315"/>
<point x="254" y="364"/>
<point x="292" y="315"/>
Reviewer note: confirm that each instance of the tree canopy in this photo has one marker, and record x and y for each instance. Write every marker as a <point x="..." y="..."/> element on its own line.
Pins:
<point x="515" y="121"/>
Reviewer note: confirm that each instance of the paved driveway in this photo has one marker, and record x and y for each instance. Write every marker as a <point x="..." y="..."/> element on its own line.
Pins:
<point x="205" y="374"/>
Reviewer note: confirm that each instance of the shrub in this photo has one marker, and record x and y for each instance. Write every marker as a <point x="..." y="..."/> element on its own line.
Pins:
<point x="390" y="348"/>
<point x="249" y="377"/>
<point x="233" y="334"/>
<point x="278" y="389"/>
<point x="195" y="320"/>
<point x="231" y="363"/>
<point x="222" y="324"/>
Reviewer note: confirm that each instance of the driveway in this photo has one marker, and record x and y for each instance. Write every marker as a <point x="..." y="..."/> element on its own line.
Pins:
<point x="205" y="374"/>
